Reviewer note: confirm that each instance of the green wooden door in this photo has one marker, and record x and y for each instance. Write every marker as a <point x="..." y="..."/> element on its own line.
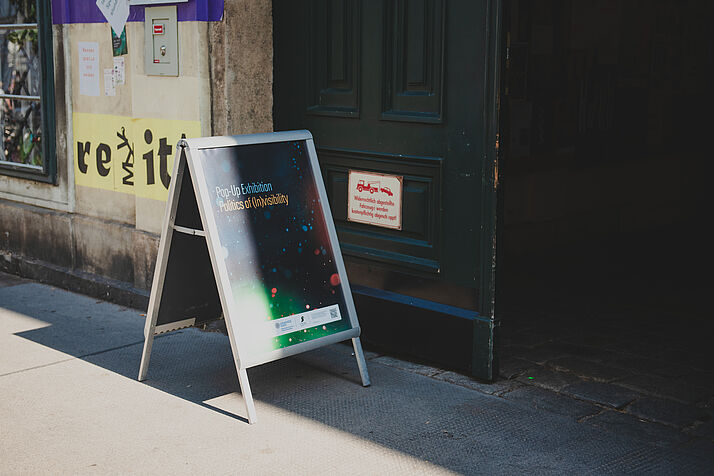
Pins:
<point x="399" y="87"/>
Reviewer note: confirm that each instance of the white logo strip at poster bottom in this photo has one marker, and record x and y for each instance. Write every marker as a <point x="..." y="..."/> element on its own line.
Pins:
<point x="305" y="320"/>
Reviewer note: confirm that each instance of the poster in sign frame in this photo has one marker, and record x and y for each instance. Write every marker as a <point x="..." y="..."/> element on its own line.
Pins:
<point x="248" y="237"/>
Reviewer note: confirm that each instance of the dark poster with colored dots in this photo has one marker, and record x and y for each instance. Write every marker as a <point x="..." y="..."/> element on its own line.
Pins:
<point x="274" y="243"/>
<point x="248" y="236"/>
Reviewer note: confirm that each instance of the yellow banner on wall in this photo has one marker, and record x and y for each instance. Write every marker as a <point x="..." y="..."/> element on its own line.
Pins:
<point x="128" y="155"/>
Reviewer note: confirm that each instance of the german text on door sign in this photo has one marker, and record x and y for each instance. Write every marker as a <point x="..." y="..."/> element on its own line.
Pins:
<point x="159" y="29"/>
<point x="375" y="199"/>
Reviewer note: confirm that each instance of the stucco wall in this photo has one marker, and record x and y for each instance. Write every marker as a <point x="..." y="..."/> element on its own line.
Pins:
<point x="100" y="224"/>
<point x="154" y="98"/>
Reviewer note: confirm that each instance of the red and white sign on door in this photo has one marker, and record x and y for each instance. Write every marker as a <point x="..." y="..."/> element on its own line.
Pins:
<point x="375" y="199"/>
<point x="159" y="29"/>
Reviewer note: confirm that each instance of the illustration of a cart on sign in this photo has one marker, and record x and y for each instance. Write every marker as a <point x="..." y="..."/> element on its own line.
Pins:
<point x="386" y="190"/>
<point x="371" y="187"/>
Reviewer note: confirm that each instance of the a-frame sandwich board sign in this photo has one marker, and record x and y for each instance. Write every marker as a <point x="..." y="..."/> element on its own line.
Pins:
<point x="248" y="236"/>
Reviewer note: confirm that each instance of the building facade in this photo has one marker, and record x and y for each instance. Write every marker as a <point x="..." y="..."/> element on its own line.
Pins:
<point x="385" y="88"/>
<point x="95" y="204"/>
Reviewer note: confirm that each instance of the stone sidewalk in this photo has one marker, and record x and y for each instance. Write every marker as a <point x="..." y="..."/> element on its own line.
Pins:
<point x="643" y="383"/>
<point x="70" y="404"/>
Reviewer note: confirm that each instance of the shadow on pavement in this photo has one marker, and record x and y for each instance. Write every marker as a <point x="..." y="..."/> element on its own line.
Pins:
<point x="445" y="424"/>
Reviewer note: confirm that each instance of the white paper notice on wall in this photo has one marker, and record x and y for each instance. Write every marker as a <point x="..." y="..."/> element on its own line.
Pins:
<point x="375" y="199"/>
<point x="119" y="70"/>
<point x="109" y="86"/>
<point x="88" y="53"/>
<point x="116" y="12"/>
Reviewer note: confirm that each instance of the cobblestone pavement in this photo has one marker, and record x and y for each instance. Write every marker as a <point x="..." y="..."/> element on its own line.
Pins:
<point x="621" y="339"/>
<point x="652" y="385"/>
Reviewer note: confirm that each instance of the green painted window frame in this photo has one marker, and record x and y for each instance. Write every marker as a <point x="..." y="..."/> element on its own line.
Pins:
<point x="48" y="173"/>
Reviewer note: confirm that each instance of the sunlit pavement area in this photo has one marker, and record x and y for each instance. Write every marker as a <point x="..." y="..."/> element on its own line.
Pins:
<point x="70" y="403"/>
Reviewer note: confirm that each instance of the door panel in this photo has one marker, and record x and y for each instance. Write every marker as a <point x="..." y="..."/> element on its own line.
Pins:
<point x="413" y="60"/>
<point x="333" y="58"/>
<point x="416" y="246"/>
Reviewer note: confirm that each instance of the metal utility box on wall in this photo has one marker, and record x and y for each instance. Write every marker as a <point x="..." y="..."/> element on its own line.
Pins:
<point x="161" y="41"/>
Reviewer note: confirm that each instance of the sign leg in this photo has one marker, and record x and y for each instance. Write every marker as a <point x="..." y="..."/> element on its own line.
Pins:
<point x="146" y="355"/>
<point x="361" y="362"/>
<point x="247" y="396"/>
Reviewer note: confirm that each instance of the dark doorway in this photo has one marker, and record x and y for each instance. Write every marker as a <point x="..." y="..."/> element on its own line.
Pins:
<point x="606" y="116"/>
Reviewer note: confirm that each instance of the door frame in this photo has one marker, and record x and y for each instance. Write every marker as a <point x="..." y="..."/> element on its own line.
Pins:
<point x="484" y="363"/>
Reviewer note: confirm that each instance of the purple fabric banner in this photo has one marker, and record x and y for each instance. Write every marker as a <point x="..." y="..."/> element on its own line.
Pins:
<point x="86" y="11"/>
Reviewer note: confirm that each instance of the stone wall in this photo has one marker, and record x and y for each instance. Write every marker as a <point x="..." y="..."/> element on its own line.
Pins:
<point x="91" y="228"/>
<point x="241" y="66"/>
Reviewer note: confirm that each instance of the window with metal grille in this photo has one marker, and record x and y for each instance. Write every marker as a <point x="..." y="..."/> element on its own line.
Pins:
<point x="26" y="90"/>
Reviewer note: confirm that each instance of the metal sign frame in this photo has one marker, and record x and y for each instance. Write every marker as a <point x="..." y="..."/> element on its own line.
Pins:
<point x="187" y="159"/>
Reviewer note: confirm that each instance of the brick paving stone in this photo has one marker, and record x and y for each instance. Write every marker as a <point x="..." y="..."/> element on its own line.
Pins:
<point x="705" y="430"/>
<point x="672" y="371"/>
<point x="708" y="406"/>
<point x="684" y="391"/>
<point x="587" y="369"/>
<point x="637" y="365"/>
<point x="633" y="427"/>
<point x="498" y="387"/>
<point x="700" y="379"/>
<point x="550" y="401"/>
<point x="605" y="394"/>
<point x="511" y="367"/>
<point x="665" y="411"/>
<point x="640" y="347"/>
<point x="369" y="355"/>
<point x="698" y="445"/>
<point x="548" y="379"/>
